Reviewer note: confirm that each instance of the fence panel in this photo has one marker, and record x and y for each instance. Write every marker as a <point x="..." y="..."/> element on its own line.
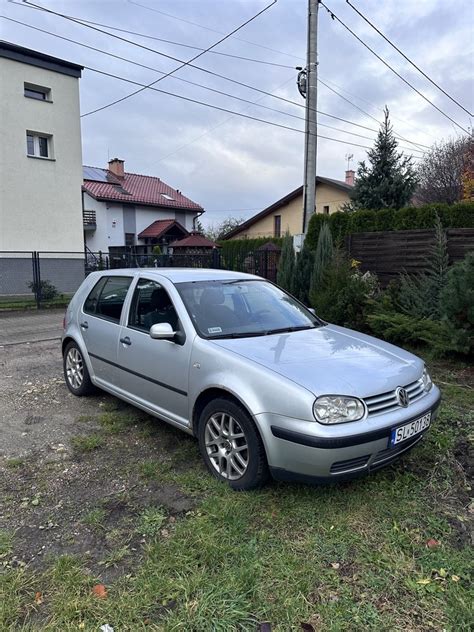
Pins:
<point x="392" y="252"/>
<point x="16" y="275"/>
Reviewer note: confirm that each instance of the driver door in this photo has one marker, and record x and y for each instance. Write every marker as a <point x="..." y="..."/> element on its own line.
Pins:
<point x="154" y="372"/>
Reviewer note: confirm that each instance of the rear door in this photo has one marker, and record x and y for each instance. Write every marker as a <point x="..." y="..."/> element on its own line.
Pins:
<point x="99" y="321"/>
<point x="155" y="372"/>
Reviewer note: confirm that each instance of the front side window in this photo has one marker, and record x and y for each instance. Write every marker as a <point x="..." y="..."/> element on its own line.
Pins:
<point x="38" y="145"/>
<point x="239" y="309"/>
<point x="107" y="298"/>
<point x="151" y="304"/>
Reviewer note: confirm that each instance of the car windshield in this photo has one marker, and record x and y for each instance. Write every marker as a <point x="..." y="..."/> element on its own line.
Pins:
<point x="243" y="308"/>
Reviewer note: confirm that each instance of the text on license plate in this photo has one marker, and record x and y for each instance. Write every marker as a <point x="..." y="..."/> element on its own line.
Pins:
<point x="402" y="433"/>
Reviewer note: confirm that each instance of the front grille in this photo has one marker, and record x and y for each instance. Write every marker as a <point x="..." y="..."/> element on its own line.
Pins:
<point x="350" y="465"/>
<point x="387" y="402"/>
<point x="390" y="454"/>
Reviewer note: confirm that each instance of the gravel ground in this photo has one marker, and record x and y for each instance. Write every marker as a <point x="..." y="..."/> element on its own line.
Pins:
<point x="70" y="484"/>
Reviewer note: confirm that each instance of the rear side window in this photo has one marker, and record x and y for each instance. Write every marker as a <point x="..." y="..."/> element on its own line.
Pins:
<point x="107" y="297"/>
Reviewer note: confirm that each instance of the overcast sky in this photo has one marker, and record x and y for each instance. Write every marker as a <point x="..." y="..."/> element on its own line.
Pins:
<point x="229" y="164"/>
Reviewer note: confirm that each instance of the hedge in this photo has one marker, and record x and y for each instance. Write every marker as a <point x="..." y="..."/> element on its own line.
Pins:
<point x="460" y="215"/>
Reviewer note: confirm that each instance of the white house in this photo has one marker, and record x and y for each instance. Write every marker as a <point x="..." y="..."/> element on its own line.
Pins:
<point x="127" y="212"/>
<point x="40" y="160"/>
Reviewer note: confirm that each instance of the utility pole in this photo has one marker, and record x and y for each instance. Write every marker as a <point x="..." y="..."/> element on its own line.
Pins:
<point x="311" y="120"/>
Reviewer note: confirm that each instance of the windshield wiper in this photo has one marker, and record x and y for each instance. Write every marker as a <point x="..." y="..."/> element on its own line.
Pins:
<point x="240" y="334"/>
<point x="284" y="330"/>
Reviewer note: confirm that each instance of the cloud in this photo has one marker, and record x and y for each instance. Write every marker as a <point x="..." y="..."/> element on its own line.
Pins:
<point x="228" y="162"/>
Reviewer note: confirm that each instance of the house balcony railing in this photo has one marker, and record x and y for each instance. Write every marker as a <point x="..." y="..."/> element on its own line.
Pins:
<point x="89" y="220"/>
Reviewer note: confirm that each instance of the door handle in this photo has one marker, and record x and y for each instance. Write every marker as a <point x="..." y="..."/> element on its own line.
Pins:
<point x="85" y="325"/>
<point x="126" y="341"/>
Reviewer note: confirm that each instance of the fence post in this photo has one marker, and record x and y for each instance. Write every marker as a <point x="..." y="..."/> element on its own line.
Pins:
<point x="36" y="278"/>
<point x="216" y="262"/>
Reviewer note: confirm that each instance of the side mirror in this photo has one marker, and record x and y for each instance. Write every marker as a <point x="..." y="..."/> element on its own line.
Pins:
<point x="312" y="310"/>
<point x="162" y="331"/>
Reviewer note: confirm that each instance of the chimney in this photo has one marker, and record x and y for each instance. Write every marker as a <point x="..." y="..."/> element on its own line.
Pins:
<point x="116" y="166"/>
<point x="350" y="173"/>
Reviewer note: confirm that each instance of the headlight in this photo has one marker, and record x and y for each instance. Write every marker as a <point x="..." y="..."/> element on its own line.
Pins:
<point x="337" y="409"/>
<point x="427" y="383"/>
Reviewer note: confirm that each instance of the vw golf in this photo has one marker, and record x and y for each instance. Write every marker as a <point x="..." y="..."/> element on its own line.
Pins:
<point x="267" y="387"/>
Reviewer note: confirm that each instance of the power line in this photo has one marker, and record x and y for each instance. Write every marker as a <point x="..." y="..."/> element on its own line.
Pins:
<point x="217" y="107"/>
<point x="334" y="17"/>
<point x="367" y="114"/>
<point x="407" y="58"/>
<point x="252" y="103"/>
<point x="183" y="64"/>
<point x="208" y="28"/>
<point x="215" y="74"/>
<point x="183" y="45"/>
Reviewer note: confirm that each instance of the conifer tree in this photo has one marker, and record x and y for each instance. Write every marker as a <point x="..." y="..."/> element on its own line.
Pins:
<point x="322" y="258"/>
<point x="286" y="266"/>
<point x="389" y="180"/>
<point x="303" y="272"/>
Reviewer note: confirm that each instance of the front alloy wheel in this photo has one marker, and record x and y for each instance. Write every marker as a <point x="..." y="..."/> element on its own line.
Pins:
<point x="231" y="445"/>
<point x="226" y="446"/>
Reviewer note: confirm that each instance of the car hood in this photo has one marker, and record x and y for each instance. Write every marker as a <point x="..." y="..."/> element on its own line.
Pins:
<point x="331" y="360"/>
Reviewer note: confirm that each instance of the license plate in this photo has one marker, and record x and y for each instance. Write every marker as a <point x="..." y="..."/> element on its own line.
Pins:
<point x="409" y="430"/>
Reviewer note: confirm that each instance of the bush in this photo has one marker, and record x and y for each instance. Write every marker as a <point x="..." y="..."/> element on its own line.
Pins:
<point x="235" y="251"/>
<point x="303" y="272"/>
<point x="156" y="250"/>
<point x="286" y="267"/>
<point x="460" y="215"/>
<point x="46" y="290"/>
<point x="457" y="303"/>
<point x="344" y="294"/>
<point x="322" y="259"/>
<point x="363" y="221"/>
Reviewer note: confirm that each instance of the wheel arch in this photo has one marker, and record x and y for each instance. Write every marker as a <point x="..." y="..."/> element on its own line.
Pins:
<point x="207" y="396"/>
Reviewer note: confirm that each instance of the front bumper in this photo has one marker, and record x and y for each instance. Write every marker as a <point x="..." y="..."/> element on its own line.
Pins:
<point x="308" y="451"/>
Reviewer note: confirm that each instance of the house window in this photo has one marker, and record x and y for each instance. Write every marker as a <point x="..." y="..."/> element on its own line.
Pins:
<point x="38" y="145"/>
<point x="277" y="226"/>
<point x="37" y="92"/>
<point x="129" y="239"/>
<point x="326" y="210"/>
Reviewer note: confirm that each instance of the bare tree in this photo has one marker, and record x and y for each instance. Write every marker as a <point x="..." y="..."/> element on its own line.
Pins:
<point x="217" y="231"/>
<point x="442" y="171"/>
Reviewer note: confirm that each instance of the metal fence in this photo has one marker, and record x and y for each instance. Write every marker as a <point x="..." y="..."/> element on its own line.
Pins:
<point x="39" y="279"/>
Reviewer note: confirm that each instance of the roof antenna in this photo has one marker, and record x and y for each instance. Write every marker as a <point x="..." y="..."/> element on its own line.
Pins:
<point x="349" y="158"/>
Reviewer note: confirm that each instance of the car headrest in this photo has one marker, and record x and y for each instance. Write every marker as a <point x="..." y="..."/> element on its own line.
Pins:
<point x="159" y="299"/>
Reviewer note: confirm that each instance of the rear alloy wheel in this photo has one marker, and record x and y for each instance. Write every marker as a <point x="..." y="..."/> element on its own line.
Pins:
<point x="231" y="445"/>
<point x="75" y="371"/>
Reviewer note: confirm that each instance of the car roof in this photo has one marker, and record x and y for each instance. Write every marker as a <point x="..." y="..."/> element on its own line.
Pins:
<point x="181" y="275"/>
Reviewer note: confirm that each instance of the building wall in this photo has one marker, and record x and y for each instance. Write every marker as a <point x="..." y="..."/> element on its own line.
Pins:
<point x="112" y="222"/>
<point x="292" y="213"/>
<point x="40" y="199"/>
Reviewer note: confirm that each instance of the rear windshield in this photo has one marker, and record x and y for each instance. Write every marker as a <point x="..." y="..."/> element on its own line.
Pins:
<point x="239" y="309"/>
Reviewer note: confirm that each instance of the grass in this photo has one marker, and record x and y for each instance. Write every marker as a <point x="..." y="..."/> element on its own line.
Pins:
<point x="95" y="517"/>
<point x="13" y="464"/>
<point x="349" y="557"/>
<point x="87" y="443"/>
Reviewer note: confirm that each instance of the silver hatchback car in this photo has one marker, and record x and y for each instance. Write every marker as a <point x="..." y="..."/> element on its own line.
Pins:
<point x="264" y="384"/>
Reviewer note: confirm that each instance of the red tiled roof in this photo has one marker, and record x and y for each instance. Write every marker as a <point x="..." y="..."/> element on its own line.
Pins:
<point x="160" y="227"/>
<point x="134" y="189"/>
<point x="194" y="241"/>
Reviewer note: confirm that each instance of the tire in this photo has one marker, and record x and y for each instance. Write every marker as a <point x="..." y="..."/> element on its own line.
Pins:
<point x="227" y="431"/>
<point x="75" y="370"/>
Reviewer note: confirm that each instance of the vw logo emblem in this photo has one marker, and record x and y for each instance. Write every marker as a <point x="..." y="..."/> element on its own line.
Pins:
<point x="402" y="396"/>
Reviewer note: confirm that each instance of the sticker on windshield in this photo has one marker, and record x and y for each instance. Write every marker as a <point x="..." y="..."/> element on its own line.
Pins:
<point x="214" y="330"/>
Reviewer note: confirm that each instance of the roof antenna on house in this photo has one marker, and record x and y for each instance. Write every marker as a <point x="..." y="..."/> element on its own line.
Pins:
<point x="349" y="158"/>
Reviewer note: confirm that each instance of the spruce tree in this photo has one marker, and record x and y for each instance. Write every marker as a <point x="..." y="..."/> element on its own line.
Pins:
<point x="389" y="180"/>
<point x="322" y="259"/>
<point x="303" y="272"/>
<point x="286" y="265"/>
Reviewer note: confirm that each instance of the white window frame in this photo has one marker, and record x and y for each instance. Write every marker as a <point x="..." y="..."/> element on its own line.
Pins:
<point x="36" y="145"/>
